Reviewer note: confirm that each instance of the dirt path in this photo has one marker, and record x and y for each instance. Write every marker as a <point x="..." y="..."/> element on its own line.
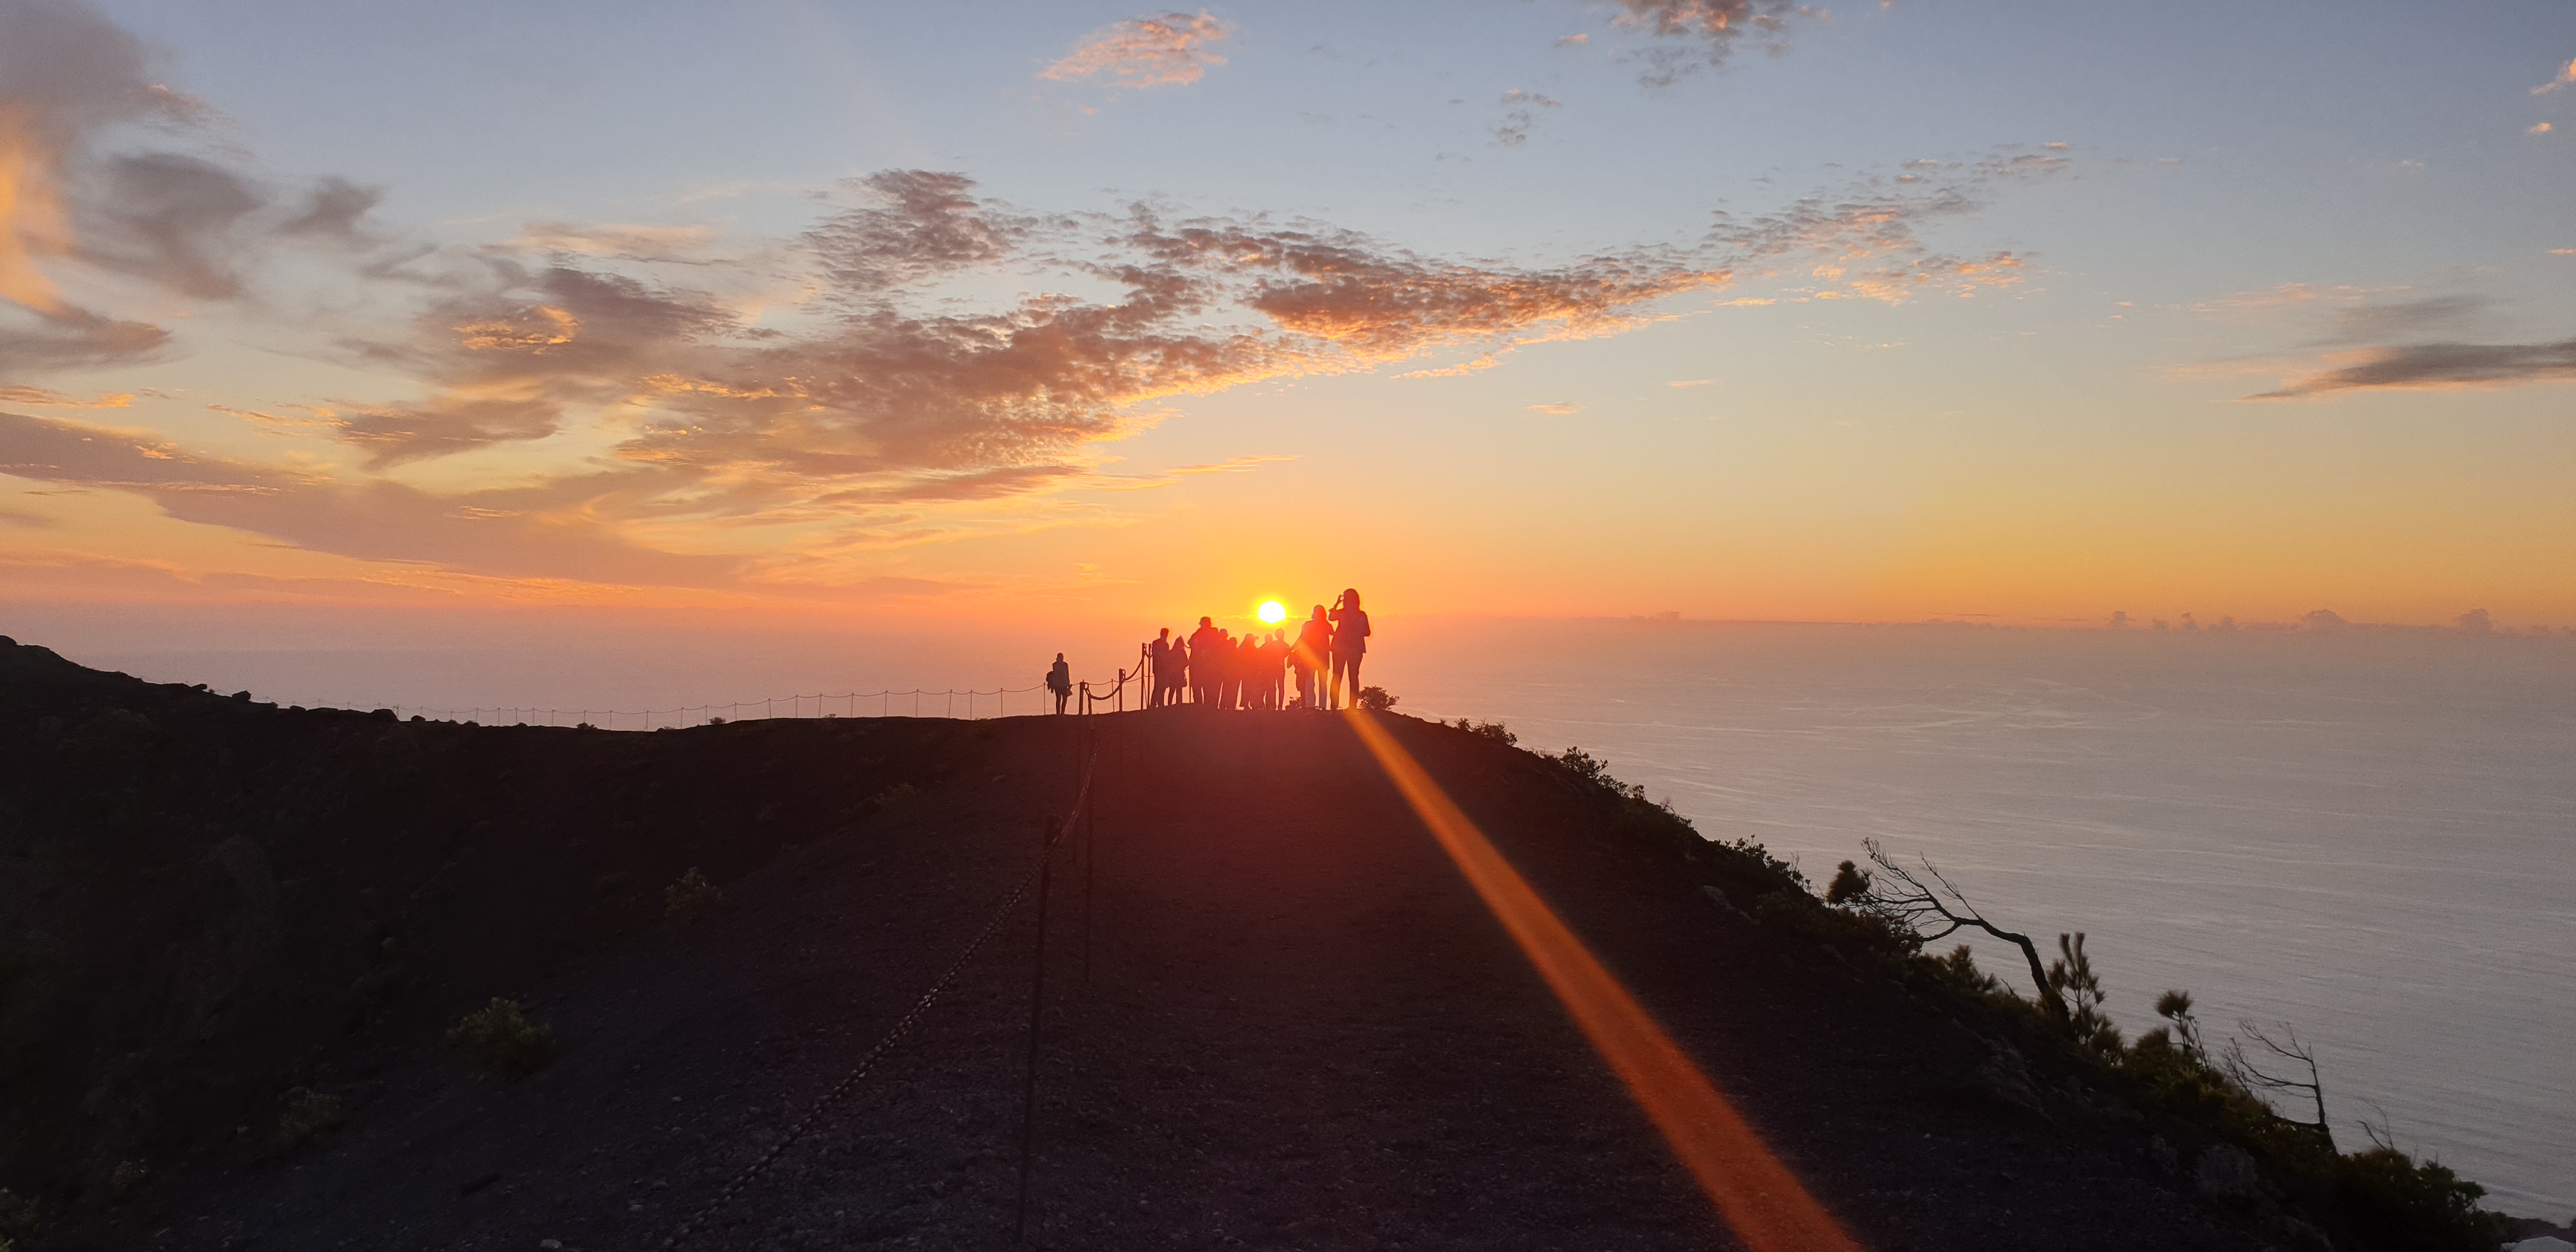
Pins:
<point x="1277" y="1017"/>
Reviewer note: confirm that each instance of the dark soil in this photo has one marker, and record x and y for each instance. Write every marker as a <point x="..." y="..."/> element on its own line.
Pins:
<point x="1275" y="1015"/>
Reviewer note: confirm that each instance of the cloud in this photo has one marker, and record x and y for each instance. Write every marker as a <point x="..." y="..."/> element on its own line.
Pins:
<point x="620" y="242"/>
<point x="517" y="532"/>
<point x="12" y="394"/>
<point x="2406" y="318"/>
<point x="66" y="74"/>
<point x="1556" y="410"/>
<point x="1573" y="41"/>
<point x="186" y="224"/>
<point x="512" y="357"/>
<point x="2438" y="366"/>
<point x="1346" y="292"/>
<point x="1692" y="35"/>
<point x="1514" y="128"/>
<point x="922" y="225"/>
<point x="335" y="211"/>
<point x="1163" y="50"/>
<point x="2566" y="74"/>
<point x="2538" y="128"/>
<point x="67" y="336"/>
<point x="1693" y="382"/>
<point x="1865" y="240"/>
<point x="172" y="219"/>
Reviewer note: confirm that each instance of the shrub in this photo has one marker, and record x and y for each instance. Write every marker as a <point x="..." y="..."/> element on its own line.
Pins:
<point x="1495" y="731"/>
<point x="127" y="1178"/>
<point x="690" y="898"/>
<point x="503" y="1041"/>
<point x="1850" y="885"/>
<point x="2071" y="977"/>
<point x="1376" y="700"/>
<point x="2394" y="1203"/>
<point x="17" y="1219"/>
<point x="307" y="1117"/>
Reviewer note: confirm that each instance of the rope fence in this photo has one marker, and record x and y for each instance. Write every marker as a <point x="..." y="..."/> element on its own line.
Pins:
<point x="1083" y="697"/>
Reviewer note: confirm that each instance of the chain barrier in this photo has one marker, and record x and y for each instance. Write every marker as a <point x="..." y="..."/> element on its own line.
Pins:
<point x="868" y="1061"/>
<point x="700" y="714"/>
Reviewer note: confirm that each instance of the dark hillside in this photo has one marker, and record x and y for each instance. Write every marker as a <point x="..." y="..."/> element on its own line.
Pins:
<point x="207" y="903"/>
<point x="1275" y="1013"/>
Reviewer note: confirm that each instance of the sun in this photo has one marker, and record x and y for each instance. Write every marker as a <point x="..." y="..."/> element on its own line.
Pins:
<point x="1272" y="612"/>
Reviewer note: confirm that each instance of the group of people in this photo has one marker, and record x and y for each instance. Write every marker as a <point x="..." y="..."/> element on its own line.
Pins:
<point x="1214" y="667"/>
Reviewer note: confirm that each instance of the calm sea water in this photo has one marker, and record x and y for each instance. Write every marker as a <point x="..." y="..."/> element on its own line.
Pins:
<point x="2370" y="836"/>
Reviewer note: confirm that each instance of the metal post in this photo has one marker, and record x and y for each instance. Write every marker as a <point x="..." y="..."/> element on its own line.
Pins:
<point x="1037" y="1002"/>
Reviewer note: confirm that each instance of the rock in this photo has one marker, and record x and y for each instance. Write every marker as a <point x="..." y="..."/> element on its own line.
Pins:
<point x="2226" y="1173"/>
<point x="1725" y="905"/>
<point x="2006" y="1077"/>
<point x="2545" y="1243"/>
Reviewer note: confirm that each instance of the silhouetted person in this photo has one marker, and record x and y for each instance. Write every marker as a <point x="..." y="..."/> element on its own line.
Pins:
<point x="1229" y="669"/>
<point x="1350" y="644"/>
<point x="1168" y="664"/>
<point x="1274" y="666"/>
<point x="1312" y="655"/>
<point x="1060" y="681"/>
<point x="1203" y="662"/>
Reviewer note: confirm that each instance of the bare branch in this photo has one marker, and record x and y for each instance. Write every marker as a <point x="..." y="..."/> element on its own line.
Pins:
<point x="1935" y="913"/>
<point x="2253" y="1077"/>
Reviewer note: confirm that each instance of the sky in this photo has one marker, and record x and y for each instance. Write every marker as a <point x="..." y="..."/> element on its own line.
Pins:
<point x="781" y="313"/>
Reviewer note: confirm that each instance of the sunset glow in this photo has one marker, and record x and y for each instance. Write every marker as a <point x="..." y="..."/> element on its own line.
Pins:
<point x="1272" y="612"/>
<point x="1522" y="344"/>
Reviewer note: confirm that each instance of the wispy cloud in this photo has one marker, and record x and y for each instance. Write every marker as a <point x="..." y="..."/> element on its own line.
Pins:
<point x="2566" y="75"/>
<point x="629" y="242"/>
<point x="2437" y="366"/>
<point x="1865" y="240"/>
<point x="1519" y="115"/>
<point x="1164" y="50"/>
<point x="20" y="394"/>
<point x="1556" y="410"/>
<point x="1690" y="35"/>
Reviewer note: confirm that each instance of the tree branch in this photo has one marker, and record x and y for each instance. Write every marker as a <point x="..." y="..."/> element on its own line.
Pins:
<point x="1897" y="891"/>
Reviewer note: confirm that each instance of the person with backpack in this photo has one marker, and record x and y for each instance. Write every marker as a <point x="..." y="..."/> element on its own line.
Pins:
<point x="1059" y="680"/>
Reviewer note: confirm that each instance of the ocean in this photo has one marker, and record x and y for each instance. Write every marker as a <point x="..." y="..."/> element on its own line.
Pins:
<point x="2366" y="836"/>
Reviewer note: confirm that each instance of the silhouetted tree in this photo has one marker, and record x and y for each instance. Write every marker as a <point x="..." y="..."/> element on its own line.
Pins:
<point x="1940" y="908"/>
<point x="2286" y="1049"/>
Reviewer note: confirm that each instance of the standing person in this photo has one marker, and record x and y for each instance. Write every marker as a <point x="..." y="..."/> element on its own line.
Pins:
<point x="1229" y="669"/>
<point x="1202" y="667"/>
<point x="1059" y="680"/>
<point x="1350" y="644"/>
<point x="1274" y="671"/>
<point x="1166" y="668"/>
<point x="1313" y="653"/>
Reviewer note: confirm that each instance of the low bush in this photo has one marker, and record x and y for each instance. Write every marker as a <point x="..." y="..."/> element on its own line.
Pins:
<point x="1495" y="731"/>
<point x="690" y="898"/>
<point x="503" y="1041"/>
<point x="127" y="1178"/>
<point x="17" y="1219"/>
<point x="1376" y="700"/>
<point x="2392" y="1202"/>
<point x="306" y="1118"/>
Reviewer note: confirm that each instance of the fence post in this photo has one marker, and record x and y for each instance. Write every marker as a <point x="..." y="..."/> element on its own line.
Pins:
<point x="1037" y="1003"/>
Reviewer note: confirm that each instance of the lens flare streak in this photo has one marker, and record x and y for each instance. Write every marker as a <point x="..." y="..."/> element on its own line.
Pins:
<point x="1758" y="1196"/>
